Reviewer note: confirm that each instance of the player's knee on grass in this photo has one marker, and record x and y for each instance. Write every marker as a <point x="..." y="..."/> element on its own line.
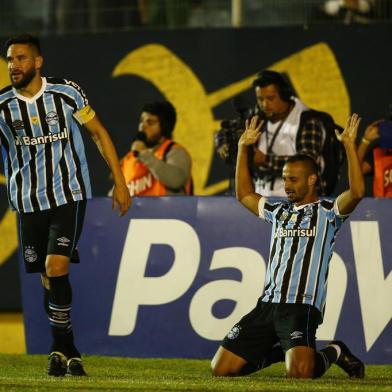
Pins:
<point x="218" y="370"/>
<point x="301" y="370"/>
<point x="300" y="362"/>
<point x="226" y="364"/>
<point x="224" y="370"/>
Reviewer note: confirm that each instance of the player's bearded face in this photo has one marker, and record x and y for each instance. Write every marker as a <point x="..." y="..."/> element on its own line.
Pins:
<point x="23" y="64"/>
<point x="21" y="79"/>
<point x="297" y="193"/>
<point x="295" y="182"/>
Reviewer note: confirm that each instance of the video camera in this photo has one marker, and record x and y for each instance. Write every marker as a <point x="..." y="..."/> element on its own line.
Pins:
<point x="231" y="129"/>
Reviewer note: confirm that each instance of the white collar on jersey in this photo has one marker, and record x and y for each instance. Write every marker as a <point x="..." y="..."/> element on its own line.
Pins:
<point x="304" y="205"/>
<point x="35" y="97"/>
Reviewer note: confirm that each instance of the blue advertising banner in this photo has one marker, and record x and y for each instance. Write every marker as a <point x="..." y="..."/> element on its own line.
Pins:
<point x="172" y="277"/>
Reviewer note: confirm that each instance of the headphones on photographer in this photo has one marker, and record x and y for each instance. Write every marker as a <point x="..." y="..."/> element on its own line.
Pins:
<point x="267" y="77"/>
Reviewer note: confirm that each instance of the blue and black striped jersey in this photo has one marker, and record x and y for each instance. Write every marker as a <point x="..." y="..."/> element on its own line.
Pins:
<point x="302" y="243"/>
<point x="43" y="152"/>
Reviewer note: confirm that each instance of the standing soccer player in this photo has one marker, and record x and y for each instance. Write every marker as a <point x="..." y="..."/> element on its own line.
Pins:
<point x="48" y="181"/>
<point x="283" y="324"/>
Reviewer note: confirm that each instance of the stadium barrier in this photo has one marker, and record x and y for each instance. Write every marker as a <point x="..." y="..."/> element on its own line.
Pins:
<point x="171" y="278"/>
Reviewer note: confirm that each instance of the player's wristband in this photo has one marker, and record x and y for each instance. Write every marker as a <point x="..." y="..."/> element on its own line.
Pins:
<point x="365" y="141"/>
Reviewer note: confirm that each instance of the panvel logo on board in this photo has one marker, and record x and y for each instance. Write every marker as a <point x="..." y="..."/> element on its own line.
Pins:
<point x="134" y="289"/>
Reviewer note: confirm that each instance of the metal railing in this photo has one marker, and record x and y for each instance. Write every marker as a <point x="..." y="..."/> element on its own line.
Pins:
<point x="79" y="16"/>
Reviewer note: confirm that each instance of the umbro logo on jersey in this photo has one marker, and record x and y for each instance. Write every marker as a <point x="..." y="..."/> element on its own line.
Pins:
<point x="32" y="141"/>
<point x="63" y="241"/>
<point x="18" y="125"/>
<point x="296" y="335"/>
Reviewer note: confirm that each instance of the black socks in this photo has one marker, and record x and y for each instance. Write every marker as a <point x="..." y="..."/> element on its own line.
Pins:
<point x="323" y="360"/>
<point x="59" y="309"/>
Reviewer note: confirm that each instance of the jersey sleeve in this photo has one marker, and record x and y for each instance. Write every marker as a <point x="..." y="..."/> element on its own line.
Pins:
<point x="83" y="112"/>
<point x="338" y="215"/>
<point x="268" y="209"/>
<point x="333" y="214"/>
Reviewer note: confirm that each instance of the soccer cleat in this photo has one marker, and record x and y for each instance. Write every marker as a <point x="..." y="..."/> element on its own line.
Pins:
<point x="75" y="368"/>
<point x="348" y="362"/>
<point x="57" y="364"/>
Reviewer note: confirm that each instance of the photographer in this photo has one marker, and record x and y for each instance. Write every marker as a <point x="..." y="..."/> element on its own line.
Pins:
<point x="290" y="128"/>
<point x="375" y="156"/>
<point x="284" y="134"/>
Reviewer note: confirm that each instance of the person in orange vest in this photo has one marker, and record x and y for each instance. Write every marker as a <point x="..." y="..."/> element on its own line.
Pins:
<point x="156" y="165"/>
<point x="375" y="155"/>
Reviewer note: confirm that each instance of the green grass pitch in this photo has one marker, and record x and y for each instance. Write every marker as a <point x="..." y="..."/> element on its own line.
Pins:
<point x="27" y="373"/>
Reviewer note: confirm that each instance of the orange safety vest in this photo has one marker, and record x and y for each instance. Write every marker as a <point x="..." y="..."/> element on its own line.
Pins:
<point x="140" y="180"/>
<point x="382" y="182"/>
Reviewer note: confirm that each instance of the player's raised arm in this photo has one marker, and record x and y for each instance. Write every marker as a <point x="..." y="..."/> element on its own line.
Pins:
<point x="349" y="199"/>
<point x="244" y="187"/>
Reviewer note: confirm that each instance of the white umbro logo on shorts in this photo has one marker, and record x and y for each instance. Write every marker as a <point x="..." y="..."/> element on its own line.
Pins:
<point x="296" y="335"/>
<point x="63" y="241"/>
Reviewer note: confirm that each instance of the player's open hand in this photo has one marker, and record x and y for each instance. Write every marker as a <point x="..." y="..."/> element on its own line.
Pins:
<point x="252" y="131"/>
<point x="349" y="134"/>
<point x="121" y="199"/>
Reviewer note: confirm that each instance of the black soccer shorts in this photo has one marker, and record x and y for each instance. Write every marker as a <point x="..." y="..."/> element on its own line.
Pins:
<point x="54" y="231"/>
<point x="253" y="337"/>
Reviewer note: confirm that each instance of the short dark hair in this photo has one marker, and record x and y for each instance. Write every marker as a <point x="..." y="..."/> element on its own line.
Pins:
<point x="166" y="113"/>
<point x="267" y="77"/>
<point x="27" y="39"/>
<point x="307" y="160"/>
